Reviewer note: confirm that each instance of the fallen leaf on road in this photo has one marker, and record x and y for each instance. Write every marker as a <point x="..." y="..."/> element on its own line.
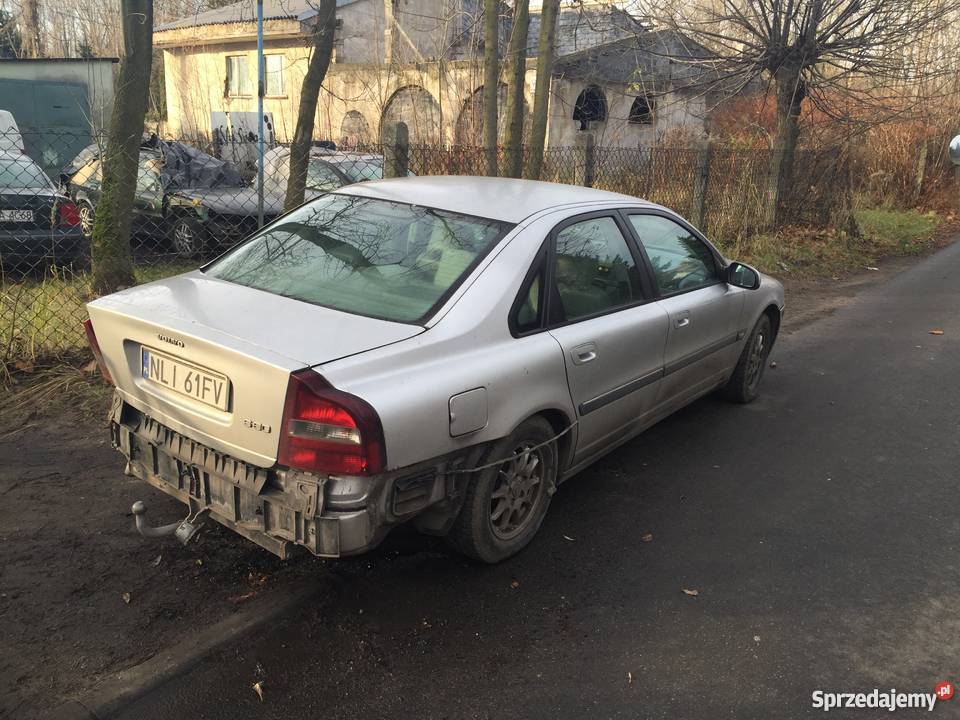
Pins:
<point x="870" y="267"/>
<point x="567" y="537"/>
<point x="515" y="584"/>
<point x="692" y="593"/>
<point x="646" y="537"/>
<point x="936" y="332"/>
<point x="156" y="560"/>
<point x="773" y="365"/>
<point x="756" y="638"/>
<point x="237" y="599"/>
<point x="629" y="678"/>
<point x="258" y="689"/>
<point x="126" y="598"/>
<point x="24" y="366"/>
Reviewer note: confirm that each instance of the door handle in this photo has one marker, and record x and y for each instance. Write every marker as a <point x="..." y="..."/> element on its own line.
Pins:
<point x="583" y="354"/>
<point x="682" y="322"/>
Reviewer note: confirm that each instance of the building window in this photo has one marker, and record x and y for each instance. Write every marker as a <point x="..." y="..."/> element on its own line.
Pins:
<point x="641" y="112"/>
<point x="338" y="55"/>
<point x="591" y="107"/>
<point x="238" y="76"/>
<point x="273" y="72"/>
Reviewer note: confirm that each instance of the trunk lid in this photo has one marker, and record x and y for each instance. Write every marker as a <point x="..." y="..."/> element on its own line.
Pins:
<point x="248" y="339"/>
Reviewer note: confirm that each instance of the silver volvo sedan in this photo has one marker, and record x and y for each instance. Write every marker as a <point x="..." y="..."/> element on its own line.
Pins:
<point x="441" y="350"/>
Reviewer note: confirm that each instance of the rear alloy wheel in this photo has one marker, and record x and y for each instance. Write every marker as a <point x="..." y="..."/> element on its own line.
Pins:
<point x="85" y="210"/>
<point x="187" y="237"/>
<point x="505" y="504"/>
<point x="744" y="384"/>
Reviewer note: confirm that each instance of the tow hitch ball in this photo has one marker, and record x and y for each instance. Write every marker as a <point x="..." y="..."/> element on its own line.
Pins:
<point x="184" y="530"/>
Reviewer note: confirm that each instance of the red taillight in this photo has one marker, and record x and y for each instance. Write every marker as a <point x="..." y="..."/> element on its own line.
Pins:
<point x="95" y="346"/>
<point x="69" y="214"/>
<point x="329" y="431"/>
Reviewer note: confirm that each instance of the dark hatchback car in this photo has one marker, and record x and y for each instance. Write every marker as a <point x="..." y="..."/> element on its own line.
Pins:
<point x="195" y="202"/>
<point x="39" y="226"/>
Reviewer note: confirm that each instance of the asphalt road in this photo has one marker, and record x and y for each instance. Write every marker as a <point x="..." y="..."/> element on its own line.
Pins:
<point x="819" y="526"/>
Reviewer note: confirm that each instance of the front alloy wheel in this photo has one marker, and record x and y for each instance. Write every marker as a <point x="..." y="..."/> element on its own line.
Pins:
<point x="86" y="219"/>
<point x="186" y="235"/>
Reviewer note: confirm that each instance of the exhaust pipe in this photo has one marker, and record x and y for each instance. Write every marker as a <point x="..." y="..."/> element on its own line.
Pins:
<point x="184" y="531"/>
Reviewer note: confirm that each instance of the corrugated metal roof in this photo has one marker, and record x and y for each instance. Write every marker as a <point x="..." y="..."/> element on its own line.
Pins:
<point x="246" y="11"/>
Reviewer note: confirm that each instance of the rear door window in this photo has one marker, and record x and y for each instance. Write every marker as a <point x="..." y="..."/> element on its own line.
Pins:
<point x="594" y="270"/>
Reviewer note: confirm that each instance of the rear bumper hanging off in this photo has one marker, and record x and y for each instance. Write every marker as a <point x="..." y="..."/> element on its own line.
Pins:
<point x="276" y="508"/>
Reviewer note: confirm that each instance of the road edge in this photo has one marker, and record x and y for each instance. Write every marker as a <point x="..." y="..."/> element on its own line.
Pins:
<point x="126" y="686"/>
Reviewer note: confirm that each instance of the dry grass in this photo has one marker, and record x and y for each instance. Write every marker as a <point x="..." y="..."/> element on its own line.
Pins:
<point x="804" y="253"/>
<point x="61" y="388"/>
<point x="41" y="318"/>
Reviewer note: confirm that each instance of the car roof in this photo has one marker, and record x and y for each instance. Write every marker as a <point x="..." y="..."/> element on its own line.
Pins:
<point x="495" y="198"/>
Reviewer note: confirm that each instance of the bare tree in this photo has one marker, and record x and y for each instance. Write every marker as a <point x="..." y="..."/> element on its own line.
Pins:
<point x="491" y="53"/>
<point x="323" y="32"/>
<point x="541" y="98"/>
<point x="112" y="259"/>
<point x="516" y="72"/>
<point x="832" y="53"/>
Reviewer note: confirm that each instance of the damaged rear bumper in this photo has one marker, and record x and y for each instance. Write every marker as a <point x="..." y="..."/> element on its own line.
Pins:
<point x="279" y="508"/>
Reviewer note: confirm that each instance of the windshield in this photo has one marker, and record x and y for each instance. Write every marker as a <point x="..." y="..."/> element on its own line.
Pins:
<point x="20" y="172"/>
<point x="370" y="257"/>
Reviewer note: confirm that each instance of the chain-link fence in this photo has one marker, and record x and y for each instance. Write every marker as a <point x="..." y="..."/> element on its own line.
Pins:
<point x="195" y="198"/>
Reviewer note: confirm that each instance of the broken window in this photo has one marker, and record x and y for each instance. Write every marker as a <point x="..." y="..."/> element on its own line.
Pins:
<point x="591" y="107"/>
<point x="641" y="112"/>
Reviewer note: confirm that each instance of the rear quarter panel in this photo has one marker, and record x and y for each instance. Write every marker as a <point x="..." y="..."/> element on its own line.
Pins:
<point x="410" y="383"/>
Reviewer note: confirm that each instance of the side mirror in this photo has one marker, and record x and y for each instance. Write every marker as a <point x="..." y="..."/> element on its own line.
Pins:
<point x="955" y="150"/>
<point x="742" y="276"/>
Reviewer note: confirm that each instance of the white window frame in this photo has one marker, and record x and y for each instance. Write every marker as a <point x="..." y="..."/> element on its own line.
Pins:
<point x="238" y="83"/>
<point x="277" y="74"/>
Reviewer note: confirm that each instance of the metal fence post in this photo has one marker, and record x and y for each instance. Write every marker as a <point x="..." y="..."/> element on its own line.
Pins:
<point x="396" y="150"/>
<point x="701" y="183"/>
<point x="585" y="172"/>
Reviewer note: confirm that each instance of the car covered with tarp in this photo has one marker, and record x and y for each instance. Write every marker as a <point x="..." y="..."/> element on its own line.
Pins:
<point x="193" y="200"/>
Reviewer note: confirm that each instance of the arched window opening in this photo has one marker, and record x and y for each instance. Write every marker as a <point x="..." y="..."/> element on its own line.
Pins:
<point x="641" y="112"/>
<point x="591" y="107"/>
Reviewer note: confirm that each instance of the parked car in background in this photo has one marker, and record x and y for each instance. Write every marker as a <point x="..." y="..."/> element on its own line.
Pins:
<point x="198" y="203"/>
<point x="329" y="169"/>
<point x="39" y="226"/>
<point x="440" y="350"/>
<point x="11" y="140"/>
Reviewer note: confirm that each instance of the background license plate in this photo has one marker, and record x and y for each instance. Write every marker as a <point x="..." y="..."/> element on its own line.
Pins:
<point x="16" y="215"/>
<point x="210" y="388"/>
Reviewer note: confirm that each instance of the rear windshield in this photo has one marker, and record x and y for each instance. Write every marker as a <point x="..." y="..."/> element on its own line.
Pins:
<point x="20" y="172"/>
<point x="370" y="257"/>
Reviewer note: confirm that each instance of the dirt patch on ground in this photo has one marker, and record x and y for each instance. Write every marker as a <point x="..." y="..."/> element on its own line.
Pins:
<point x="82" y="595"/>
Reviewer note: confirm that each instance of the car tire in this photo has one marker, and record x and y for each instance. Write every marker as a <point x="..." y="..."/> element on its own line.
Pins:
<point x="85" y="210"/>
<point x="504" y="504"/>
<point x="744" y="384"/>
<point x="187" y="236"/>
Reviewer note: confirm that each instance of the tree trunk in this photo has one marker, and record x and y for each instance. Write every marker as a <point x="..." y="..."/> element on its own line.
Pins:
<point x="323" y="32"/>
<point x="541" y="98"/>
<point x="110" y="250"/>
<point x="790" y="95"/>
<point x="491" y="53"/>
<point x="516" y="72"/>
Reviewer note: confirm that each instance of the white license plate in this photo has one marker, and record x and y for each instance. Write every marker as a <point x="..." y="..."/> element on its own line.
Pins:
<point x="210" y="388"/>
<point x="16" y="215"/>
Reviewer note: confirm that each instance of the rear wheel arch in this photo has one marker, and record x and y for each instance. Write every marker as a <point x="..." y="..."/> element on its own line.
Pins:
<point x="560" y="423"/>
